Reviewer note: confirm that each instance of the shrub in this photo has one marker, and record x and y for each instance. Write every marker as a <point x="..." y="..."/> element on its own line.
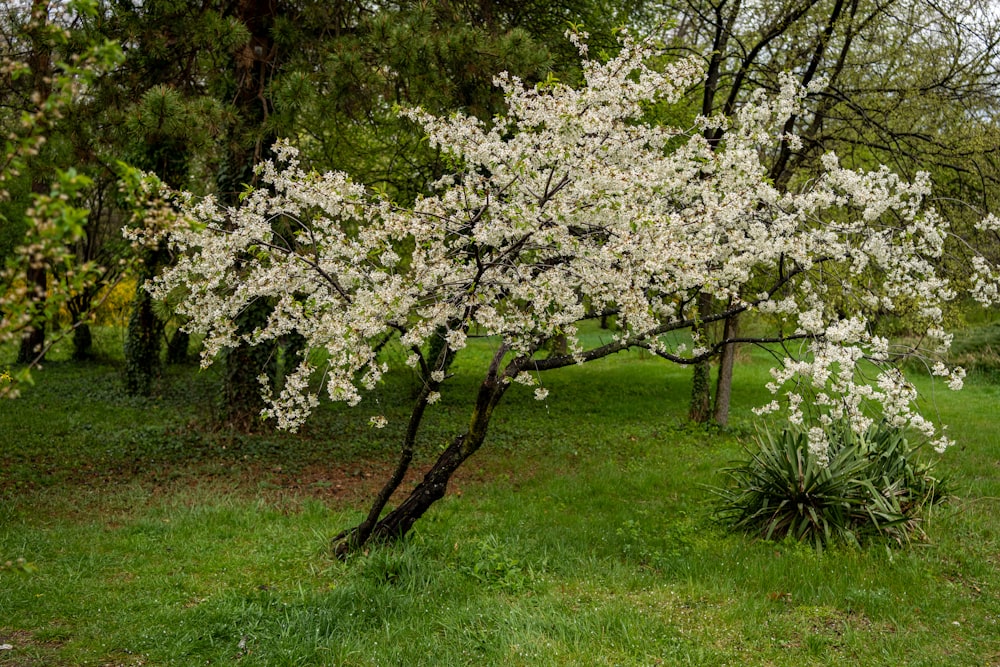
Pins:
<point x="872" y="485"/>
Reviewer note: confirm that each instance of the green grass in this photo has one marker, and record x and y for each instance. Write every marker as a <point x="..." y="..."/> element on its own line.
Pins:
<point x="582" y="535"/>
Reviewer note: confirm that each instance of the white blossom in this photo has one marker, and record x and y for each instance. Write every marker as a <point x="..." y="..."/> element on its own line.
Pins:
<point x="819" y="446"/>
<point x="525" y="378"/>
<point x="569" y="203"/>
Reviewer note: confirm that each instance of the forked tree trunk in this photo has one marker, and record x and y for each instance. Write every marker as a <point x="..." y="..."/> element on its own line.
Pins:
<point x="398" y="522"/>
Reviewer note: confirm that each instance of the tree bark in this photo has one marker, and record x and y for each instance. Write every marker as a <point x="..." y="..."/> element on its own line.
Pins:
<point x="177" y="347"/>
<point x="83" y="342"/>
<point x="398" y="522"/>
<point x="83" y="339"/>
<point x="253" y="66"/>
<point x="241" y="398"/>
<point x="142" y="339"/>
<point x="700" y="410"/>
<point x="724" y="383"/>
<point x="32" y="349"/>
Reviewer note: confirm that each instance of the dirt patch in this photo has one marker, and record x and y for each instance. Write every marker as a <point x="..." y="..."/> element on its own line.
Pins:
<point x="26" y="650"/>
<point x="350" y="484"/>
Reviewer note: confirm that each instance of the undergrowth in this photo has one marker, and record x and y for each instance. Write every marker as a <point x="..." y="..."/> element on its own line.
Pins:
<point x="582" y="534"/>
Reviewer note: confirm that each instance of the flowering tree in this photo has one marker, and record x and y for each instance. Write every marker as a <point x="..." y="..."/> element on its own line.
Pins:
<point x="571" y="205"/>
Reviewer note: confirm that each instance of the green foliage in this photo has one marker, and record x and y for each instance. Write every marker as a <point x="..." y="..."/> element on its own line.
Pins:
<point x="349" y="70"/>
<point x="871" y="485"/>
<point x="60" y="238"/>
<point x="495" y="565"/>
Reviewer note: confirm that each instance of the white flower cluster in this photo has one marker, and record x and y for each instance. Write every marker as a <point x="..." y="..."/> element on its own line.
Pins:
<point x="571" y="204"/>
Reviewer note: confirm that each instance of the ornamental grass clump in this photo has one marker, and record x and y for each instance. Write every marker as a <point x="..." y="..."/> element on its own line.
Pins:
<point x="866" y="485"/>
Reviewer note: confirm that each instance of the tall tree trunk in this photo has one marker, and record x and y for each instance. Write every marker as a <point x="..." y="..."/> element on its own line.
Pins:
<point x="32" y="347"/>
<point x="253" y="66"/>
<point x="241" y="399"/>
<point x="177" y="347"/>
<point x="700" y="410"/>
<point x="701" y="393"/>
<point x="724" y="382"/>
<point x="725" y="15"/>
<point x="144" y="333"/>
<point x="83" y="339"/>
<point x="83" y="342"/>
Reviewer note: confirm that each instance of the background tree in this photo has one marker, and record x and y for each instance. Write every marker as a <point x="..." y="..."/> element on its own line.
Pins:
<point x="132" y="112"/>
<point x="205" y="88"/>
<point x="337" y="102"/>
<point x="44" y="221"/>
<point x="167" y="112"/>
<point x="37" y="43"/>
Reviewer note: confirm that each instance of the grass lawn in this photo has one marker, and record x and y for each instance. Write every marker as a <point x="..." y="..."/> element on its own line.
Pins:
<point x="580" y="535"/>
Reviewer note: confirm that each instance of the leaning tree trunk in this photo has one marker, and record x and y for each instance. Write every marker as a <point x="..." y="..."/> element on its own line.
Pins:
<point x="398" y="522"/>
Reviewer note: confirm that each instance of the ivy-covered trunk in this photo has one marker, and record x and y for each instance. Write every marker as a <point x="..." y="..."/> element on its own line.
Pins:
<point x="177" y="347"/>
<point x="144" y="334"/>
<point x="249" y="142"/>
<point x="241" y="398"/>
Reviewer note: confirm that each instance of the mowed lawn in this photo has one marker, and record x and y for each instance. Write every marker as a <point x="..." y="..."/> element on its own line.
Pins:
<point x="581" y="535"/>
